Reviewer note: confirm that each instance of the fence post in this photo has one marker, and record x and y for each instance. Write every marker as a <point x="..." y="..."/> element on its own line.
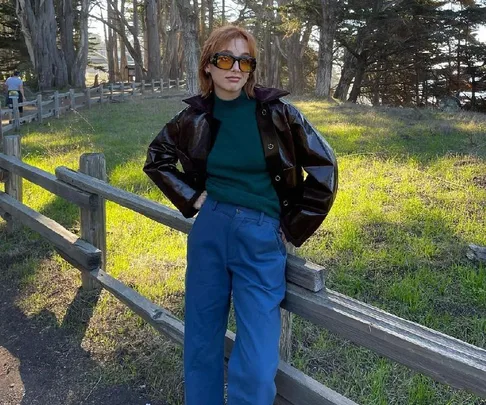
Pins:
<point x="87" y="93"/>
<point x="72" y="98"/>
<point x="142" y="87"/>
<point x="153" y="86"/>
<point x="111" y="91"/>
<point x="101" y="94"/>
<point x="56" y="104"/>
<point x="39" y="108"/>
<point x="13" y="185"/>
<point x="133" y="88"/>
<point x="161" y="85"/>
<point x="177" y="83"/>
<point x="286" y="322"/>
<point x="93" y="220"/>
<point x="16" y="114"/>
<point x="122" y="90"/>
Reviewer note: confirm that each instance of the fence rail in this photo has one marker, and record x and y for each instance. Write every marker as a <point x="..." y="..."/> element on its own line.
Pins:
<point x="60" y="103"/>
<point x="435" y="354"/>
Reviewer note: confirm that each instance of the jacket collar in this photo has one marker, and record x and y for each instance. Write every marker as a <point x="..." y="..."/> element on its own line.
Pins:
<point x="262" y="94"/>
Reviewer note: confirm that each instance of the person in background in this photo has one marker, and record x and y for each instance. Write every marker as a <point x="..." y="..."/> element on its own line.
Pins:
<point x="243" y="151"/>
<point x="14" y="87"/>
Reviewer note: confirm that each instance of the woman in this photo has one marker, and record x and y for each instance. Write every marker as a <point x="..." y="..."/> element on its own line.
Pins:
<point x="242" y="151"/>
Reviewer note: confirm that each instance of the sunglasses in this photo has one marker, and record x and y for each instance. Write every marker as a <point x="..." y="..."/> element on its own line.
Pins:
<point x="226" y="61"/>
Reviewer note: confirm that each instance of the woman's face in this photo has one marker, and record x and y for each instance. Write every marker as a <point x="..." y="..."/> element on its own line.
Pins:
<point x="228" y="83"/>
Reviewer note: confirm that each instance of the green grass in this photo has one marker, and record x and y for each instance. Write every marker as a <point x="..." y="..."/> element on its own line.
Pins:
<point x="412" y="196"/>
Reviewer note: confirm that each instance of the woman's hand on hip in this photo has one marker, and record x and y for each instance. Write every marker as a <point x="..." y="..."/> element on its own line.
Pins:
<point x="200" y="201"/>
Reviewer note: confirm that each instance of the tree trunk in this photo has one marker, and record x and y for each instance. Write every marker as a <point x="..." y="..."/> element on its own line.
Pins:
<point x="153" y="40"/>
<point x="136" y="44"/>
<point x="210" y="15"/>
<point x="202" y="29"/>
<point x="348" y="71"/>
<point x="123" y="51"/>
<point x="295" y="49"/>
<point x="38" y="24"/>
<point x="170" y="65"/>
<point x="360" y="73"/>
<point x="191" y="45"/>
<point x="81" y="61"/>
<point x="110" y="44"/>
<point x="66" y="28"/>
<point x="326" y="41"/>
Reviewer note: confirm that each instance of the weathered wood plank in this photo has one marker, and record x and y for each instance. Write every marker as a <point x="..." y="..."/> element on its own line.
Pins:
<point x="298" y="270"/>
<point x="93" y="219"/>
<point x="13" y="184"/>
<point x="477" y="253"/>
<point x="144" y="206"/>
<point x="8" y="127"/>
<point x="442" y="357"/>
<point x="297" y="388"/>
<point x="48" y="115"/>
<point x="305" y="273"/>
<point x="292" y="384"/>
<point x="74" y="250"/>
<point x="28" y="118"/>
<point x="39" y="108"/>
<point x="47" y="181"/>
<point x="27" y="103"/>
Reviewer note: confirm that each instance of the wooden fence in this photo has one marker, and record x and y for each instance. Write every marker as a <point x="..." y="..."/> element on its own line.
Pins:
<point x="435" y="354"/>
<point x="59" y="103"/>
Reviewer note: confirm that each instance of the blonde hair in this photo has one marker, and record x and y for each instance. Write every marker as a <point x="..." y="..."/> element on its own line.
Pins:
<point x="216" y="41"/>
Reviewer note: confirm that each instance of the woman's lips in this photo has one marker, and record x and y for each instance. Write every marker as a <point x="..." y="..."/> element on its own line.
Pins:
<point x="234" y="79"/>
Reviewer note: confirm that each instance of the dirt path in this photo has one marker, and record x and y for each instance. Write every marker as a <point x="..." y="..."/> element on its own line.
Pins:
<point x="41" y="364"/>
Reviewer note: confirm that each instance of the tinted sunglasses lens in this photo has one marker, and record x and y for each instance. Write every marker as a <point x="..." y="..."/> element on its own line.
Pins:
<point x="225" y="62"/>
<point x="246" y="65"/>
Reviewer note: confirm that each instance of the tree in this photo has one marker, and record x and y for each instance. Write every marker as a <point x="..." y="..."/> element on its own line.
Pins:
<point x="153" y="41"/>
<point x="191" y="44"/>
<point x="326" y="42"/>
<point x="39" y="27"/>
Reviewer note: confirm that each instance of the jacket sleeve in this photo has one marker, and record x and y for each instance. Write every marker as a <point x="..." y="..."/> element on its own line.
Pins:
<point x="319" y="189"/>
<point x="161" y="167"/>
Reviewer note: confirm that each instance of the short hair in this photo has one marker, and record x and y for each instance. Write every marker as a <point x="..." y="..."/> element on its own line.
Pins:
<point x="16" y="73"/>
<point x="217" y="39"/>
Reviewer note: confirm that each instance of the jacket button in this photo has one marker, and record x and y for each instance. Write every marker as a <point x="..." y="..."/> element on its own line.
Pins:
<point x="270" y="146"/>
<point x="277" y="178"/>
<point x="285" y="203"/>
<point x="264" y="112"/>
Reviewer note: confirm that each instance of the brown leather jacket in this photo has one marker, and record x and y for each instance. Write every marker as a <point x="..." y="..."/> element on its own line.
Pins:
<point x="291" y="146"/>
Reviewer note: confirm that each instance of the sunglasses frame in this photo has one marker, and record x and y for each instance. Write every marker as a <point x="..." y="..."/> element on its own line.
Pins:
<point x="214" y="60"/>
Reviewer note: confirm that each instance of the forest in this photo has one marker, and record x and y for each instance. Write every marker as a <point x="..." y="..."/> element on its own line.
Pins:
<point x="378" y="52"/>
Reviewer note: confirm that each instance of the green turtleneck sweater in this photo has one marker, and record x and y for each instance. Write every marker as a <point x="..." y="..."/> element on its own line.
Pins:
<point x="236" y="166"/>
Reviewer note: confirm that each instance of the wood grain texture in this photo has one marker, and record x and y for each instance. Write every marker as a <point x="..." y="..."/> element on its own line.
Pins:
<point x="93" y="219"/>
<point x="442" y="357"/>
<point x="47" y="181"/>
<point x="75" y="250"/>
<point x="13" y="183"/>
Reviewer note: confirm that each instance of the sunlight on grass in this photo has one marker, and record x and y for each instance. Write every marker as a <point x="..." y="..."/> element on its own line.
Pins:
<point x="412" y="196"/>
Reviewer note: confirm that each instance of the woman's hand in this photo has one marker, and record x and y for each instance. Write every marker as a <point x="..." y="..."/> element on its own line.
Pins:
<point x="200" y="201"/>
<point x="282" y="235"/>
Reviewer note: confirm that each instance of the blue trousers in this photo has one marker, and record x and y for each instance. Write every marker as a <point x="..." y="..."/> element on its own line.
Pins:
<point x="236" y="250"/>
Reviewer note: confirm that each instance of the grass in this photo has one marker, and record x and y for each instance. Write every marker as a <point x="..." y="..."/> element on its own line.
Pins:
<point x="412" y="196"/>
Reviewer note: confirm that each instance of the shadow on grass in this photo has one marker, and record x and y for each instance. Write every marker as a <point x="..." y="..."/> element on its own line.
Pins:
<point x="52" y="367"/>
